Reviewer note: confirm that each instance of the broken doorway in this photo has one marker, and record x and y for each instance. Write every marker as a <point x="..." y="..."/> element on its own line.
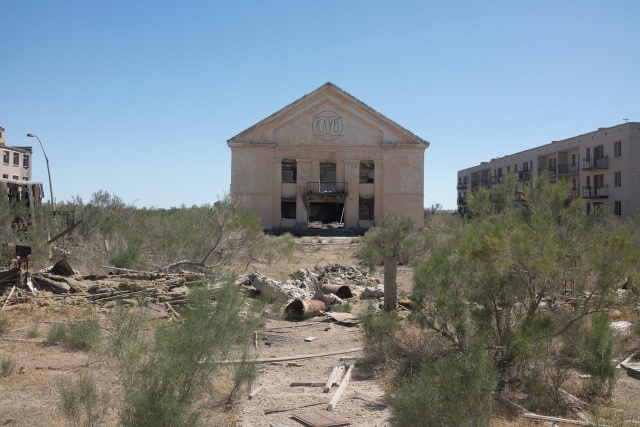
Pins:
<point x="326" y="215"/>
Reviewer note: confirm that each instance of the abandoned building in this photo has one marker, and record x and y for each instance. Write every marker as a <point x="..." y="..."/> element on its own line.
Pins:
<point x="16" y="169"/>
<point x="329" y="158"/>
<point x="601" y="167"/>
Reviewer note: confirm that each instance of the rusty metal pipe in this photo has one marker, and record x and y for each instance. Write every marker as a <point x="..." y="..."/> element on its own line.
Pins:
<point x="304" y="308"/>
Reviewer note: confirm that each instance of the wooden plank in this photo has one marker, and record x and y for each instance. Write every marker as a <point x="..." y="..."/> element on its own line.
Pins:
<point x="343" y="385"/>
<point x="321" y="419"/>
<point x="330" y="380"/>
<point x="339" y="374"/>
<point x="306" y="384"/>
<point x="255" y="392"/>
<point x="390" y="284"/>
<point x="287" y="358"/>
<point x="8" y="298"/>
<point x="293" y="408"/>
<point x="561" y="420"/>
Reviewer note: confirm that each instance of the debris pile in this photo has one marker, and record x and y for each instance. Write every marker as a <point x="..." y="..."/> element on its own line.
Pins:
<point x="61" y="285"/>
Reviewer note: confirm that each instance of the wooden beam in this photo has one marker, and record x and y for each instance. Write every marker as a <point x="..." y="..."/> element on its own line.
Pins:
<point x="343" y="385"/>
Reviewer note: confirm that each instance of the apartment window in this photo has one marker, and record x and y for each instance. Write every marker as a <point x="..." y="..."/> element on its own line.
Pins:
<point x="515" y="168"/>
<point x="588" y="208"/>
<point x="618" y="179"/>
<point x="16" y="159"/>
<point x="598" y="181"/>
<point x="508" y="170"/>
<point x="617" y="149"/>
<point x="16" y="177"/>
<point x="525" y="166"/>
<point x="588" y="154"/>
<point x="24" y="178"/>
<point x="617" y="208"/>
<point x="5" y="176"/>
<point x="367" y="172"/>
<point x="289" y="171"/>
<point x="573" y="160"/>
<point x="598" y="152"/>
<point x="25" y="161"/>
<point x="5" y="157"/>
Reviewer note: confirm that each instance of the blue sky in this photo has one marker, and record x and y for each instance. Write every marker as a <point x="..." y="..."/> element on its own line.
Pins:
<point x="138" y="98"/>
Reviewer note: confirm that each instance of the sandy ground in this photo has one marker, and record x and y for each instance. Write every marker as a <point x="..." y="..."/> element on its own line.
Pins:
<point x="29" y="396"/>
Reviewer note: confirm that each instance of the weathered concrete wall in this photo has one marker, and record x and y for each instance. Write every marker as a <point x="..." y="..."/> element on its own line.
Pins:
<point x="328" y="126"/>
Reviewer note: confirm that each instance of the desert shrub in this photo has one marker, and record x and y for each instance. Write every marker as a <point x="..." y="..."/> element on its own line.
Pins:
<point x="453" y="391"/>
<point x="277" y="247"/>
<point x="83" y="334"/>
<point x="82" y="403"/>
<point x="4" y="325"/>
<point x="129" y="256"/>
<point x="165" y="372"/>
<point x="345" y="307"/>
<point x="57" y="333"/>
<point x="597" y="359"/>
<point x="395" y="236"/>
<point x="7" y="365"/>
<point x="378" y="328"/>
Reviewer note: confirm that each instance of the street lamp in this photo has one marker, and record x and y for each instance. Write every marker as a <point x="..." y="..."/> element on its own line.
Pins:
<point x="33" y="135"/>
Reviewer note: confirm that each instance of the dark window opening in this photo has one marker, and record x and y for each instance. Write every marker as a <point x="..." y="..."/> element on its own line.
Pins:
<point x="16" y="159"/>
<point x="617" y="149"/>
<point x="367" y="172"/>
<point x="326" y="213"/>
<point x="366" y="209"/>
<point x="289" y="170"/>
<point x="287" y="210"/>
<point x="617" y="208"/>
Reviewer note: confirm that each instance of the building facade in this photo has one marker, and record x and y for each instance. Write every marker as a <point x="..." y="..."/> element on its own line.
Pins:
<point x="600" y="165"/>
<point x="328" y="157"/>
<point x="15" y="174"/>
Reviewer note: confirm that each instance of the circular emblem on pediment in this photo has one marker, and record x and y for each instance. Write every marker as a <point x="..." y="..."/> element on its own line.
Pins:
<point x="327" y="125"/>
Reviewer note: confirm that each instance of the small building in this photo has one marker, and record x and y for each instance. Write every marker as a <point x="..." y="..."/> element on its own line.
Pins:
<point x="15" y="174"/>
<point x="328" y="158"/>
<point x="600" y="165"/>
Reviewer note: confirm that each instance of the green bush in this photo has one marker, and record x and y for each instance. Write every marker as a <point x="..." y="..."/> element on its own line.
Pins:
<point x="166" y="372"/>
<point x="57" y="333"/>
<point x="395" y="236"/>
<point x="129" y="256"/>
<point x="597" y="359"/>
<point x="378" y="328"/>
<point x="4" y="325"/>
<point x="7" y="365"/>
<point x="82" y="334"/>
<point x="453" y="391"/>
<point x="82" y="403"/>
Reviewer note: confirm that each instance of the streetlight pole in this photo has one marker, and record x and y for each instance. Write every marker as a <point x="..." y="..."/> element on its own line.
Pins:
<point x="53" y="206"/>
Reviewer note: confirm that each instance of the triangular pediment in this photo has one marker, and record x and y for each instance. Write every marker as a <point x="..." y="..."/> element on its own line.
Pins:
<point x="328" y="116"/>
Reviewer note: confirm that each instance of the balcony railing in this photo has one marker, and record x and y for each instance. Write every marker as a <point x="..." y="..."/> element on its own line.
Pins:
<point x="595" y="192"/>
<point x="599" y="163"/>
<point x="568" y="169"/>
<point x="524" y="175"/>
<point x="327" y="188"/>
<point x="551" y="171"/>
<point x="461" y="186"/>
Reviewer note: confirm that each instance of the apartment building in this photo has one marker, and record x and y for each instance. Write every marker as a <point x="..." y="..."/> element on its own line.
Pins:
<point x="602" y="167"/>
<point x="328" y="157"/>
<point x="15" y="173"/>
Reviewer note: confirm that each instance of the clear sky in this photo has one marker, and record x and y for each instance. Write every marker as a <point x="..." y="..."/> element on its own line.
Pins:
<point x="138" y="98"/>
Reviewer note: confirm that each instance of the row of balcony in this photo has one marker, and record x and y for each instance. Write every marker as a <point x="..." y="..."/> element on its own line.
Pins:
<point x="587" y="193"/>
<point x="560" y="170"/>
